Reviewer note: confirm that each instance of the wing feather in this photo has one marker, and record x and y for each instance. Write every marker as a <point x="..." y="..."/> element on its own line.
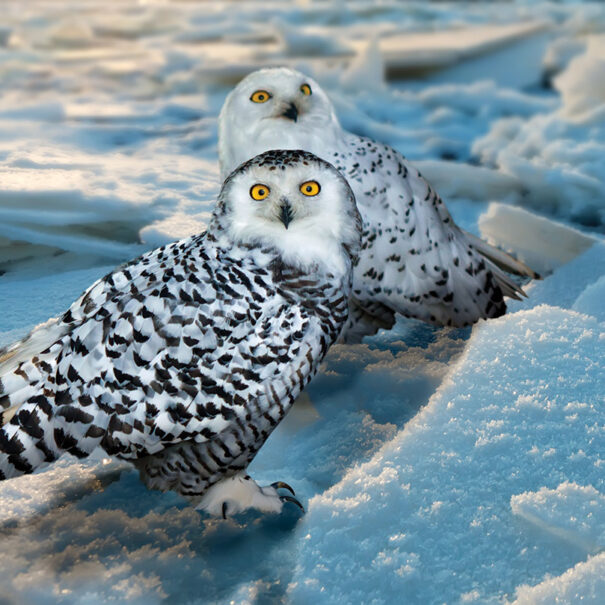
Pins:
<point x="415" y="260"/>
<point x="157" y="353"/>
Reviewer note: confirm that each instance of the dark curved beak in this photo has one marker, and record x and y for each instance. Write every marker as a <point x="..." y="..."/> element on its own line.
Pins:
<point x="285" y="215"/>
<point x="291" y="113"/>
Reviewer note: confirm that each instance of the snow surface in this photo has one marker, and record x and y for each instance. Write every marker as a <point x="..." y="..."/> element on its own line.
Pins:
<point x="436" y="466"/>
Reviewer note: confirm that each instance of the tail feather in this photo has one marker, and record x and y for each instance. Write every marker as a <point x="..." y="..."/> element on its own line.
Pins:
<point x="19" y="376"/>
<point x="507" y="285"/>
<point x="39" y="339"/>
<point x="34" y="430"/>
<point x="501" y="259"/>
<point x="38" y="433"/>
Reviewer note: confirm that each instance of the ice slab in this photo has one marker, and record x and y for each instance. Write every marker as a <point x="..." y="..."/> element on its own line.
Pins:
<point x="420" y="53"/>
<point x="541" y="243"/>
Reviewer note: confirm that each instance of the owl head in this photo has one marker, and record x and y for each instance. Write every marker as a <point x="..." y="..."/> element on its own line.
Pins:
<point x="294" y="203"/>
<point x="276" y="108"/>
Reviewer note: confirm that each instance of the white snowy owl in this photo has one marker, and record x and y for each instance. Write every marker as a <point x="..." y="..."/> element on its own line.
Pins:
<point x="415" y="260"/>
<point x="184" y="360"/>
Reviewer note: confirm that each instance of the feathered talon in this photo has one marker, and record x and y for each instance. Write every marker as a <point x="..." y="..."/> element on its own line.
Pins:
<point x="240" y="492"/>
<point x="282" y="485"/>
<point x="293" y="500"/>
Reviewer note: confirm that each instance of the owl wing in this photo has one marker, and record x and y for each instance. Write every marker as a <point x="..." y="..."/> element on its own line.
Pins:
<point x="182" y="344"/>
<point x="49" y="341"/>
<point x="415" y="260"/>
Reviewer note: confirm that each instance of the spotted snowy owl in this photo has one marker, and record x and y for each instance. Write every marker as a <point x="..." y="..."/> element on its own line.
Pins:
<point x="184" y="360"/>
<point x="415" y="260"/>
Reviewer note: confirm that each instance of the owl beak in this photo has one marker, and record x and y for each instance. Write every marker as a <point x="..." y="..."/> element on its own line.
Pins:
<point x="286" y="215"/>
<point x="291" y="113"/>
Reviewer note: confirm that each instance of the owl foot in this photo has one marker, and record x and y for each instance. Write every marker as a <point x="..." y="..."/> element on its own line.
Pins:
<point x="240" y="492"/>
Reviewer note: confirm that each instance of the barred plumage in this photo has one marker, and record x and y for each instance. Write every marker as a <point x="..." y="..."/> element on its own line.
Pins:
<point x="185" y="359"/>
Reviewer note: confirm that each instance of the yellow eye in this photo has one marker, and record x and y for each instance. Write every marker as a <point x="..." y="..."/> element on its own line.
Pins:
<point x="260" y="96"/>
<point x="305" y="89"/>
<point x="259" y="192"/>
<point x="310" y="188"/>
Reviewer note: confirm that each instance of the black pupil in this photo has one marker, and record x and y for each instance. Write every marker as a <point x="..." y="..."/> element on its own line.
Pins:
<point x="261" y="97"/>
<point x="261" y="192"/>
<point x="309" y="188"/>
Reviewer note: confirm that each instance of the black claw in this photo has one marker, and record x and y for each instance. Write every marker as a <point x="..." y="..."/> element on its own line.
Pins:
<point x="293" y="500"/>
<point x="282" y="485"/>
<point x="224" y="510"/>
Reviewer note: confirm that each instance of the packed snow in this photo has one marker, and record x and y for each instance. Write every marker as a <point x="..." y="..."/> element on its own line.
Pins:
<point x="435" y="465"/>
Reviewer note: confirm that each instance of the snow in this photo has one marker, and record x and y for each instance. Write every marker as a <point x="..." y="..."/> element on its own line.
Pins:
<point x="436" y="466"/>
<point x="559" y="156"/>
<point x="520" y="412"/>
<point x="584" y="583"/>
<point x="570" y="511"/>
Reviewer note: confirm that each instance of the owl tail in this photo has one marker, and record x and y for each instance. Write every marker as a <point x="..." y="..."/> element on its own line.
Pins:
<point x="39" y="431"/>
<point x="39" y="424"/>
<point x="365" y="320"/>
<point x="37" y="419"/>
<point x="502" y="259"/>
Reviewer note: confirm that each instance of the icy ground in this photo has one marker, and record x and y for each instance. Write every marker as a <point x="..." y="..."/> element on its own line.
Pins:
<point x="436" y="466"/>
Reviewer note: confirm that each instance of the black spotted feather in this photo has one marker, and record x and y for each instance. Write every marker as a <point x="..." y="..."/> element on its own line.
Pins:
<point x="415" y="260"/>
<point x="185" y="359"/>
<point x="140" y="362"/>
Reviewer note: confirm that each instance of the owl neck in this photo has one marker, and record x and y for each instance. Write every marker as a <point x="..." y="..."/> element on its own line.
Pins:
<point x="236" y="146"/>
<point x="309" y="253"/>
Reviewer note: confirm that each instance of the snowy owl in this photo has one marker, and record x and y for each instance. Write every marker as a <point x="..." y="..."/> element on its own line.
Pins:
<point x="184" y="360"/>
<point x="414" y="260"/>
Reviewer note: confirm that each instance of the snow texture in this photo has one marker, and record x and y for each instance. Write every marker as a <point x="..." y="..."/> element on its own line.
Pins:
<point x="436" y="466"/>
<point x="559" y="157"/>
<point x="570" y="511"/>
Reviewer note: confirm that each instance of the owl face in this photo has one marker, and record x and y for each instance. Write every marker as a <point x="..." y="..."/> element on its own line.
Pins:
<point x="294" y="202"/>
<point x="274" y="108"/>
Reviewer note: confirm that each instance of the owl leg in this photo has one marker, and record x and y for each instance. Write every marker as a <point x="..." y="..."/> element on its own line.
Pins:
<point x="240" y="492"/>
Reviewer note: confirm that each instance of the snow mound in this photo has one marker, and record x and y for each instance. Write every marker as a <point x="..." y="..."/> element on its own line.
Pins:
<point x="559" y="157"/>
<point x="573" y="283"/>
<point x="519" y="411"/>
<point x="591" y="300"/>
<point x="543" y="244"/>
<point x="584" y="583"/>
